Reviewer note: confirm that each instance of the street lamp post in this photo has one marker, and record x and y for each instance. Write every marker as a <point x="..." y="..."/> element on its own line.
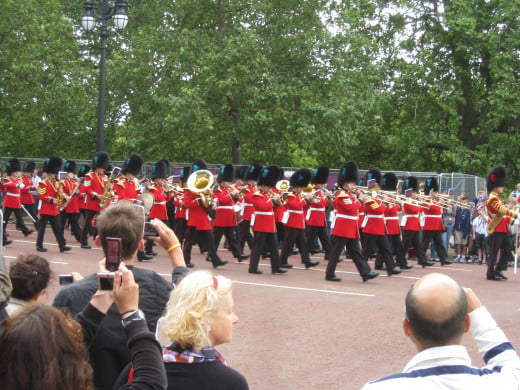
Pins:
<point x="106" y="10"/>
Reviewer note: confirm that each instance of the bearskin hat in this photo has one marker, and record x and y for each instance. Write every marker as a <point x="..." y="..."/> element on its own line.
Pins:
<point x="411" y="183"/>
<point x="83" y="171"/>
<point x="240" y="172"/>
<point x="373" y="174"/>
<point x="253" y="172"/>
<point x="269" y="176"/>
<point x="430" y="185"/>
<point x="13" y="165"/>
<point x="496" y="178"/>
<point x="101" y="160"/>
<point x="320" y="175"/>
<point x="300" y="178"/>
<point x="70" y="166"/>
<point x="389" y="182"/>
<point x="29" y="166"/>
<point x="160" y="169"/>
<point x="52" y="164"/>
<point x="348" y="173"/>
<point x="185" y="173"/>
<point x="133" y="165"/>
<point x="198" y="165"/>
<point x="226" y="173"/>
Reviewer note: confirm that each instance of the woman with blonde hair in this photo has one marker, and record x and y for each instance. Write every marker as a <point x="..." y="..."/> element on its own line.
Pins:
<point x="199" y="316"/>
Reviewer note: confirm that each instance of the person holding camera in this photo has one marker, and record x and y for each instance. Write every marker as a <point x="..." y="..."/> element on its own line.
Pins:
<point x="109" y="354"/>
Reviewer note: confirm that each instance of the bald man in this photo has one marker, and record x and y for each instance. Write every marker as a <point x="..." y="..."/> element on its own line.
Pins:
<point x="438" y="313"/>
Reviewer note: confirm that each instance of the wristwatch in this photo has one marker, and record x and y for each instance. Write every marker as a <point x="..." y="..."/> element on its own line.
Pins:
<point x="137" y="315"/>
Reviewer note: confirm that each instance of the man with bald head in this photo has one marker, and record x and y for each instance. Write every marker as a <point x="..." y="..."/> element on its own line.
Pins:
<point x="438" y="313"/>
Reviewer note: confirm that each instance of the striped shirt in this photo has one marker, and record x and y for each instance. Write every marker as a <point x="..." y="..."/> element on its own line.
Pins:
<point x="449" y="367"/>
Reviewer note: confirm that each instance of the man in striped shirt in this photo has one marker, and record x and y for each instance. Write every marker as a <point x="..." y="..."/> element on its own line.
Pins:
<point x="438" y="313"/>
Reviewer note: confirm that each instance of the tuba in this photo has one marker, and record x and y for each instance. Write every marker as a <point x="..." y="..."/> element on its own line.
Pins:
<point x="201" y="182"/>
<point x="282" y="185"/>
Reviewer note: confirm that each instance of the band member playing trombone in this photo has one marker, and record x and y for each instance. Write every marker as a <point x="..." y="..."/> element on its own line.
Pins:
<point x="315" y="218"/>
<point x="374" y="226"/>
<point x="225" y="222"/>
<point x="499" y="215"/>
<point x="294" y="219"/>
<point x="433" y="226"/>
<point x="13" y="185"/>
<point x="95" y="184"/>
<point x="199" y="204"/>
<point x="51" y="195"/>
<point x="345" y="225"/>
<point x="262" y="221"/>
<point x="410" y="223"/>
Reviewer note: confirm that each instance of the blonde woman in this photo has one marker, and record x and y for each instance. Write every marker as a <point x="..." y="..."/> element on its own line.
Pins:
<point x="199" y="316"/>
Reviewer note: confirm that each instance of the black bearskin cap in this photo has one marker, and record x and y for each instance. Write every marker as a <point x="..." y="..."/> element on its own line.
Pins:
<point x="253" y="172"/>
<point x="373" y="174"/>
<point x="348" y="173"/>
<point x="320" y="175"/>
<point x="52" y="164"/>
<point x="269" y="176"/>
<point x="13" y="165"/>
<point x="411" y="183"/>
<point x="133" y="165"/>
<point x="300" y="178"/>
<point x="496" y="178"/>
<point x="160" y="169"/>
<point x="101" y="160"/>
<point x="83" y="170"/>
<point x="431" y="184"/>
<point x="185" y="173"/>
<point x="226" y="173"/>
<point x="240" y="172"/>
<point x="29" y="166"/>
<point x="70" y="166"/>
<point x="198" y="165"/>
<point x="389" y="182"/>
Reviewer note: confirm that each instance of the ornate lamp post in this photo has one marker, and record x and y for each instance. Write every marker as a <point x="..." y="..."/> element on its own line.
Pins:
<point x="105" y="10"/>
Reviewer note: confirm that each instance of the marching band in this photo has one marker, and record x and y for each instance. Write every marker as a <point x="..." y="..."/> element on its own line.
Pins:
<point x="257" y="205"/>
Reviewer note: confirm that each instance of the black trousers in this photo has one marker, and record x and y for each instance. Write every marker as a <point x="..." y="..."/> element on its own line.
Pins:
<point x="87" y="227"/>
<point x="56" y="228"/>
<point x="73" y="219"/>
<point x="396" y="245"/>
<point x="436" y="236"/>
<point x="229" y="233"/>
<point x="411" y="238"/>
<point x="498" y="241"/>
<point x="245" y="235"/>
<point x="321" y="233"/>
<point x="181" y="229"/>
<point x="379" y="243"/>
<point x="31" y="209"/>
<point x="265" y="241"/>
<point x="18" y="213"/>
<point x="292" y="236"/>
<point x="354" y="251"/>
<point x="203" y="238"/>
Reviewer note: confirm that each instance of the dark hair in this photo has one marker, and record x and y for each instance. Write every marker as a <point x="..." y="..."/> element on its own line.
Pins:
<point x="29" y="275"/>
<point x="121" y="220"/>
<point x="42" y="348"/>
<point x="437" y="332"/>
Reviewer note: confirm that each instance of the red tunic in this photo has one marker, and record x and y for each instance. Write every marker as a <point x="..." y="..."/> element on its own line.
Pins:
<point x="315" y="214"/>
<point x="13" y="192"/>
<point x="495" y="205"/>
<point x="158" y="210"/>
<point x="225" y="209"/>
<point x="433" y="217"/>
<point x="180" y="210"/>
<point x="346" y="208"/>
<point x="263" y="220"/>
<point x="94" y="187"/>
<point x="294" y="206"/>
<point x="411" y="217"/>
<point x="27" y="196"/>
<point x="48" y="193"/>
<point x="279" y="210"/>
<point x="196" y="214"/>
<point x="392" y="220"/>
<point x="69" y="188"/>
<point x="248" y="201"/>
<point x="374" y="217"/>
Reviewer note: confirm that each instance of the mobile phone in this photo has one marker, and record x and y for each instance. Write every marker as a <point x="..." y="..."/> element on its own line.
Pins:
<point x="113" y="255"/>
<point x="66" y="279"/>
<point x="116" y="171"/>
<point x="149" y="230"/>
<point x="62" y="175"/>
<point x="105" y="280"/>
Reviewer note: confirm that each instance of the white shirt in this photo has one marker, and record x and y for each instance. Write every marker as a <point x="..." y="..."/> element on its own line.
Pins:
<point x="450" y="368"/>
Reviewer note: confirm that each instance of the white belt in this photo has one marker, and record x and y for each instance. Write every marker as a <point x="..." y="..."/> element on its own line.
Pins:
<point x="11" y="194"/>
<point x="432" y="216"/>
<point x="264" y="213"/>
<point x="347" y="217"/>
<point x="295" y="211"/>
<point x="374" y="216"/>
<point x="159" y="202"/>
<point x="248" y="204"/>
<point x="411" y="215"/>
<point x="316" y="209"/>
<point x="391" y="218"/>
<point x="226" y="207"/>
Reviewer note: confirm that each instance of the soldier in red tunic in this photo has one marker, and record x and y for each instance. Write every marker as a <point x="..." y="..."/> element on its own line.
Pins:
<point x="27" y="197"/>
<point x="82" y="201"/>
<point x="411" y="223"/>
<point x="374" y="227"/>
<point x="253" y="172"/>
<point x="180" y="210"/>
<point x="345" y="225"/>
<point x="294" y="219"/>
<point x="95" y="184"/>
<point x="225" y="222"/>
<point x="263" y="223"/>
<point x="51" y="194"/>
<point x="319" y="202"/>
<point x="13" y="186"/>
<point x="433" y="226"/>
<point x="70" y="210"/>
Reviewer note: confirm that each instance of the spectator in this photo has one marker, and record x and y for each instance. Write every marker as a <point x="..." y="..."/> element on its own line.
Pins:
<point x="438" y="313"/>
<point x="109" y="354"/>
<point x="45" y="348"/>
<point x="479" y="234"/>
<point x="30" y="276"/>
<point x="462" y="227"/>
<point x="516" y="192"/>
<point x="5" y="292"/>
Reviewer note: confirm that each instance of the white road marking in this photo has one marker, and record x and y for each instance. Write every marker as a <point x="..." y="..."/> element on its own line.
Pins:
<point x="303" y="289"/>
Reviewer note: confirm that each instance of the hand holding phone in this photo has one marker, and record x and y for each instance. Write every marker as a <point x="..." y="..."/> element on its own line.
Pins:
<point x="113" y="254"/>
<point x="149" y="230"/>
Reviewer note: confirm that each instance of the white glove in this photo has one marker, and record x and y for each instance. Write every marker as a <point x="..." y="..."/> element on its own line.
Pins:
<point x="21" y="185"/>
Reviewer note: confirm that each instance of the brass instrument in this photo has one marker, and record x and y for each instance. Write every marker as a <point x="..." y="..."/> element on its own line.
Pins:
<point x="75" y="192"/>
<point x="201" y="182"/>
<point x="60" y="196"/>
<point x="308" y="189"/>
<point x="282" y="185"/>
<point x="108" y="193"/>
